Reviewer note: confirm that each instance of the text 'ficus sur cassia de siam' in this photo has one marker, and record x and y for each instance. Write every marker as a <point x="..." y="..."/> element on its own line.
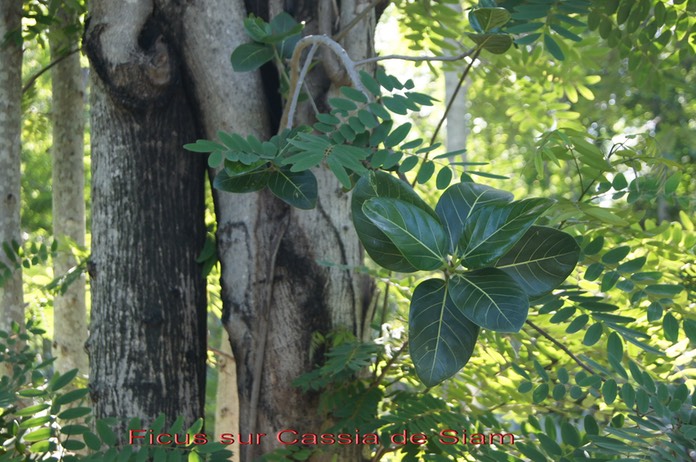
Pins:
<point x="489" y="256"/>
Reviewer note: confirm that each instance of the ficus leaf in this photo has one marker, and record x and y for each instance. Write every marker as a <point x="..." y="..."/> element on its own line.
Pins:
<point x="418" y="236"/>
<point x="377" y="245"/>
<point x="490" y="298"/>
<point x="492" y="230"/>
<point x="441" y="339"/>
<point x="251" y="56"/>
<point x="541" y="260"/>
<point x="298" y="189"/>
<point x="459" y="201"/>
<point x="490" y="18"/>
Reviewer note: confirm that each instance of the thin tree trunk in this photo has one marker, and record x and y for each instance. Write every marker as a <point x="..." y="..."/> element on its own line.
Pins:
<point x="457" y="123"/>
<point x="69" y="313"/>
<point x="11" y="295"/>
<point x="147" y="342"/>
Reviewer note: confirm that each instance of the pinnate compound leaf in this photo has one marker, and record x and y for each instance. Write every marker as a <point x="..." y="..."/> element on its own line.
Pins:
<point x="298" y="189"/>
<point x="377" y="245"/>
<point x="541" y="260"/>
<point x="441" y="339"/>
<point x="490" y="298"/>
<point x="459" y="201"/>
<point x="250" y="56"/>
<point x="493" y="230"/>
<point x="418" y="236"/>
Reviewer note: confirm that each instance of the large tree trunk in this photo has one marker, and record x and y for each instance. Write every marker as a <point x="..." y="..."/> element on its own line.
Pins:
<point x="275" y="293"/>
<point x="69" y="313"/>
<point x="147" y="342"/>
<point x="11" y="296"/>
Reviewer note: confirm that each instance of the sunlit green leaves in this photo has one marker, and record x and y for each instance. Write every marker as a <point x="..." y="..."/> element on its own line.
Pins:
<point x="441" y="338"/>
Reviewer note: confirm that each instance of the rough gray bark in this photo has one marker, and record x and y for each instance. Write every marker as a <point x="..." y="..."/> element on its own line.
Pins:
<point x="69" y="313"/>
<point x="275" y="293"/>
<point x="11" y="295"/>
<point x="147" y="341"/>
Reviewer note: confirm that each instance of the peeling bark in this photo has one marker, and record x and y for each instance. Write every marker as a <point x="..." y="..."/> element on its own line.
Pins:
<point x="147" y="341"/>
<point x="69" y="312"/>
<point x="11" y="294"/>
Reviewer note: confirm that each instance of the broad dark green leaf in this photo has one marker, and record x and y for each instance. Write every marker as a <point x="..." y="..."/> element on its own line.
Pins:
<point x="377" y="245"/>
<point x="494" y="229"/>
<point x="553" y="47"/>
<point x="491" y="299"/>
<point x="418" y="236"/>
<point x="495" y="43"/>
<point x="459" y="201"/>
<point x="251" y="56"/>
<point x="249" y="182"/>
<point x="541" y="260"/>
<point x="298" y="189"/>
<point x="490" y="18"/>
<point x="441" y="339"/>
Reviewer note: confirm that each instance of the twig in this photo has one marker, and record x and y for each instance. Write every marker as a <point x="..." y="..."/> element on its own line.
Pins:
<point x="34" y="78"/>
<point x="296" y="79"/>
<point x="342" y="33"/>
<point x="565" y="349"/>
<point x="297" y="89"/>
<point x="450" y="103"/>
<point x="389" y="364"/>
<point x="417" y="59"/>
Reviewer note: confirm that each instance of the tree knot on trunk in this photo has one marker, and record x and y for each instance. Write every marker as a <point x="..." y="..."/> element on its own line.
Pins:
<point x="143" y="75"/>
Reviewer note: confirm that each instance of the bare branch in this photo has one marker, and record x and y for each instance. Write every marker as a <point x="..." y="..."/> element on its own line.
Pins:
<point x="32" y="80"/>
<point x="417" y="59"/>
<point x="564" y="348"/>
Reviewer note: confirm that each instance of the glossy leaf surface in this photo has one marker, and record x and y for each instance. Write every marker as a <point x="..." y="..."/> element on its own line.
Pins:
<point x="376" y="243"/>
<point x="441" y="339"/>
<point x="490" y="298"/>
<point x="493" y="230"/>
<point x="418" y="236"/>
<point x="541" y="260"/>
<point x="459" y="201"/>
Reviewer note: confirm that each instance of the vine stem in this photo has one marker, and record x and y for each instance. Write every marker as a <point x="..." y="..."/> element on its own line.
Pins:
<point x="564" y="348"/>
<point x="450" y="103"/>
<point x="297" y="78"/>
<point x="55" y="62"/>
